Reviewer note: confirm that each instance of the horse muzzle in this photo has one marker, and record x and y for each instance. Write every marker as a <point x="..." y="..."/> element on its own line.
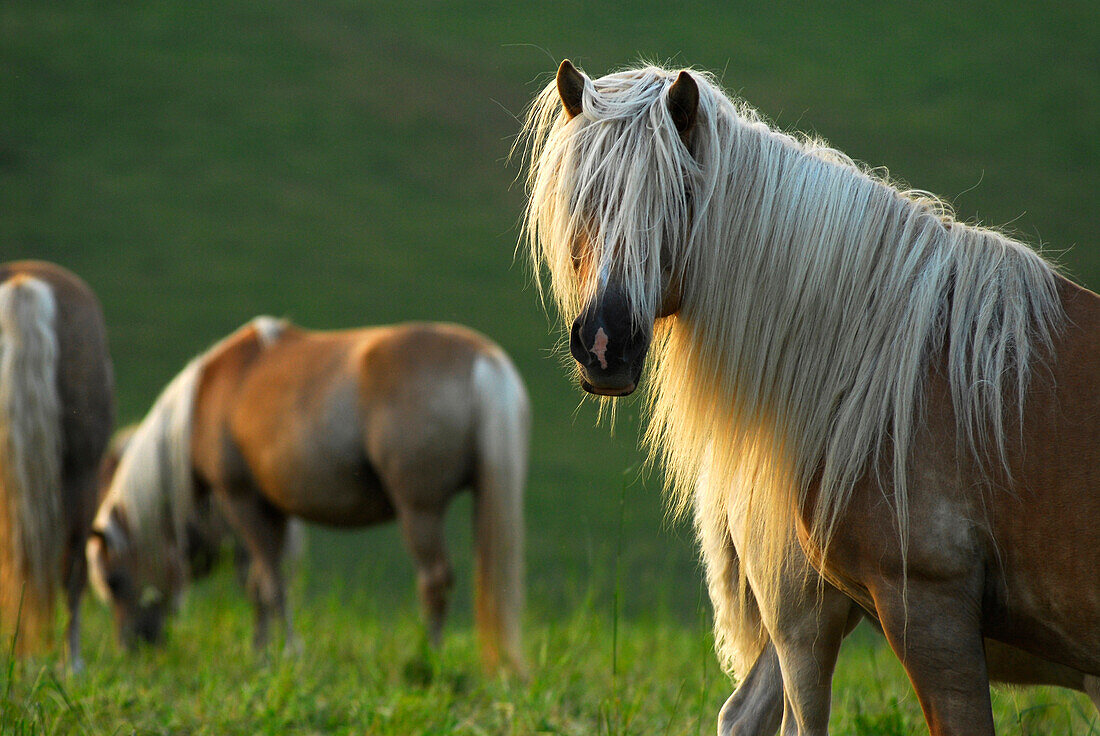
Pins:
<point x="610" y="360"/>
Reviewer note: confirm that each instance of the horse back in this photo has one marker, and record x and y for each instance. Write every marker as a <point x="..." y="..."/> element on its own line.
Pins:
<point x="214" y="454"/>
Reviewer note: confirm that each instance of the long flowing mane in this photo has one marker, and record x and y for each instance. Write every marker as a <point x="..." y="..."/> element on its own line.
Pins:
<point x="818" y="297"/>
<point x="152" y="490"/>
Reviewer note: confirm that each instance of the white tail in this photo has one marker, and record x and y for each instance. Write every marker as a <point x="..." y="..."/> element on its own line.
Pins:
<point x="31" y="516"/>
<point x="502" y="437"/>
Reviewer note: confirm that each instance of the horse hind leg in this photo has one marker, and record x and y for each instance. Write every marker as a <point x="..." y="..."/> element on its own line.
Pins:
<point x="80" y="490"/>
<point x="422" y="530"/>
<point x="76" y="577"/>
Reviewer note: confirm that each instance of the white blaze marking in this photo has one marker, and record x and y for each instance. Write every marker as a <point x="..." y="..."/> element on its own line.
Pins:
<point x="599" y="348"/>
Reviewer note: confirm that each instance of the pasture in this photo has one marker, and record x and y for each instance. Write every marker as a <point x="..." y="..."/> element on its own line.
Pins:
<point x="345" y="163"/>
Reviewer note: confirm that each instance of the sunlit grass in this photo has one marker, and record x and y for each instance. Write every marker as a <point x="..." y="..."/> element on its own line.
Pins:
<point x="366" y="669"/>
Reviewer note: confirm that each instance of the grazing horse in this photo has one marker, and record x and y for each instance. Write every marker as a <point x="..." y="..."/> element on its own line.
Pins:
<point x="909" y="397"/>
<point x="56" y="414"/>
<point x="348" y="428"/>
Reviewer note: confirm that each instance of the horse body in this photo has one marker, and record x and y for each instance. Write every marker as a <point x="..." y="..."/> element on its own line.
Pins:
<point x="1011" y="555"/>
<point x="1047" y="526"/>
<point x="57" y="414"/>
<point x="1024" y="537"/>
<point x="367" y="427"/>
<point x="807" y="622"/>
<point x="908" y="396"/>
<point x="359" y="427"/>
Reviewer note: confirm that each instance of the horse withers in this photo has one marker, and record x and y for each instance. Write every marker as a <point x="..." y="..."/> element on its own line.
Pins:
<point x="56" y="414"/>
<point x="909" y="397"/>
<point x="348" y="428"/>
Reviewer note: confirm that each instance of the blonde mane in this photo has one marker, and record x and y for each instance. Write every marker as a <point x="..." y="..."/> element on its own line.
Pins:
<point x="817" y="298"/>
<point x="153" y="489"/>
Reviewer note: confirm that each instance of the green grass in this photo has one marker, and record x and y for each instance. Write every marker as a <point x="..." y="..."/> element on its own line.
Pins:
<point x="365" y="669"/>
<point x="344" y="163"/>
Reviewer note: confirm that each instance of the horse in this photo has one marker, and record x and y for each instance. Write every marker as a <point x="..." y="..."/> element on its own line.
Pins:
<point x="208" y="533"/>
<point x="905" y="395"/>
<point x="56" y="414"/>
<point x="347" y="428"/>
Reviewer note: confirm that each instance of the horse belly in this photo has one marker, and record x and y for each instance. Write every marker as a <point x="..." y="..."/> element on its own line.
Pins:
<point x="339" y="496"/>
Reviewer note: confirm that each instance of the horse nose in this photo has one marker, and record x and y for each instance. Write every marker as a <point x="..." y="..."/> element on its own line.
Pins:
<point x="598" y="346"/>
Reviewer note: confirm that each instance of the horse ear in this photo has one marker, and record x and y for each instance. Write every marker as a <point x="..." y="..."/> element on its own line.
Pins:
<point x="570" y="88"/>
<point x="683" y="103"/>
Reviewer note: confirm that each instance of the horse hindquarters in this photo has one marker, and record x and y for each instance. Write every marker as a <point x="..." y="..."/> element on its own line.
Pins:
<point x="31" y="513"/>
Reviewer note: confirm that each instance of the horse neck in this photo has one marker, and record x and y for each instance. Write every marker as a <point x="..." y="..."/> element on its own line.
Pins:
<point x="819" y="295"/>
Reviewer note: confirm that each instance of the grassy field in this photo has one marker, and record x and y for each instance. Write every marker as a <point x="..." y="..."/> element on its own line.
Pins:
<point x="343" y="163"/>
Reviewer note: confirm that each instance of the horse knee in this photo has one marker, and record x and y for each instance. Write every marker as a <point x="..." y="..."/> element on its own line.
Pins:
<point x="756" y="707"/>
<point x="435" y="582"/>
<point x="263" y="587"/>
<point x="759" y="713"/>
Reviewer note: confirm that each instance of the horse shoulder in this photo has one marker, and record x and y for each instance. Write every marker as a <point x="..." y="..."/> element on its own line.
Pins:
<point x="216" y="396"/>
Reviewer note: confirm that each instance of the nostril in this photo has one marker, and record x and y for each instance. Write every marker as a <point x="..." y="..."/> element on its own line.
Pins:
<point x="577" y="348"/>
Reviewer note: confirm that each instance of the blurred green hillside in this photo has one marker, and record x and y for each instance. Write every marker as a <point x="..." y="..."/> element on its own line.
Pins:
<point x="343" y="163"/>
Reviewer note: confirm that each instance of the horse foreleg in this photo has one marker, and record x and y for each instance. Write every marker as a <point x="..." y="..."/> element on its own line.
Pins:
<point x="756" y="707"/>
<point x="938" y="639"/>
<point x="810" y="642"/>
<point x="262" y="528"/>
<point x="807" y="638"/>
<point x="422" y="530"/>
